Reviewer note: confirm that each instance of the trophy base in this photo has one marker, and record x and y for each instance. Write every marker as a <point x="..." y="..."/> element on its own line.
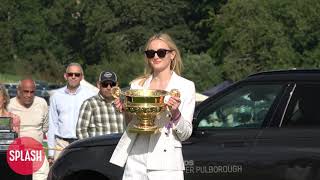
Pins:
<point x="144" y="130"/>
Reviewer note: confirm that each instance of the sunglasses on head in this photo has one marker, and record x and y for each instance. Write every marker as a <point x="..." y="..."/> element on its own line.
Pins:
<point x="106" y="84"/>
<point x="75" y="74"/>
<point x="160" y="52"/>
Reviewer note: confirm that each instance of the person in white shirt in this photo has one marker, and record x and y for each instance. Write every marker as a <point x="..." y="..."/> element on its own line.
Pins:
<point x="64" y="110"/>
<point x="33" y="113"/>
<point x="158" y="156"/>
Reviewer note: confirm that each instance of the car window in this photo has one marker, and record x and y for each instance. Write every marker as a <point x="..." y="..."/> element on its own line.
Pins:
<point x="304" y="107"/>
<point x="246" y="106"/>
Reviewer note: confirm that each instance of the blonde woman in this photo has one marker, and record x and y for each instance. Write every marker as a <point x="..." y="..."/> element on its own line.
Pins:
<point x="159" y="155"/>
<point x="4" y="101"/>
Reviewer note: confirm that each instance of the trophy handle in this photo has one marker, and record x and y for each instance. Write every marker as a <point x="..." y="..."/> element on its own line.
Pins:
<point x="175" y="93"/>
<point x="115" y="92"/>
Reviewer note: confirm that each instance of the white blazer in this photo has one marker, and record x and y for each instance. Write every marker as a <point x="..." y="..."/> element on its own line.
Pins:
<point x="164" y="151"/>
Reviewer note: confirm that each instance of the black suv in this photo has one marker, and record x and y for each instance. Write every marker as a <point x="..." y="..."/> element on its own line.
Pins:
<point x="263" y="127"/>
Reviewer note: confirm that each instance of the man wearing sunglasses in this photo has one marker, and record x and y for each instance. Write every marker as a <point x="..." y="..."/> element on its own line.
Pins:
<point x="98" y="115"/>
<point x="64" y="109"/>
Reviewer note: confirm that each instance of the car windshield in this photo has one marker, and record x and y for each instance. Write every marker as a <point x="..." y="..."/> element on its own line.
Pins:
<point x="247" y="106"/>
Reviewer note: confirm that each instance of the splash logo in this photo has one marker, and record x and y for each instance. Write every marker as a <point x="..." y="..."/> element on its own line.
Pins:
<point x="25" y="155"/>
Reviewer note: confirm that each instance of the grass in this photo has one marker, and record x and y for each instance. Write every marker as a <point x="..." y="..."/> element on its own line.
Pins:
<point x="9" y="78"/>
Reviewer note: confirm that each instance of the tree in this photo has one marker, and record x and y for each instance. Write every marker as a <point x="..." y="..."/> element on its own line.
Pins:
<point x="28" y="40"/>
<point x="255" y="35"/>
<point x="201" y="69"/>
<point x="127" y="68"/>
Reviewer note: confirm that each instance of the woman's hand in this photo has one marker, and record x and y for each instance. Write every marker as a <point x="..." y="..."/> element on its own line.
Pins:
<point x="174" y="103"/>
<point x="15" y="124"/>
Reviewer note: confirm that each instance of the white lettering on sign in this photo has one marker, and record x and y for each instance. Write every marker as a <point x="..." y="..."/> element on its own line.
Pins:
<point x="19" y="155"/>
<point x="192" y="167"/>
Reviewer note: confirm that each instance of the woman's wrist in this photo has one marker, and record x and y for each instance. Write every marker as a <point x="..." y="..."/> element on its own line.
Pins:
<point x="176" y="116"/>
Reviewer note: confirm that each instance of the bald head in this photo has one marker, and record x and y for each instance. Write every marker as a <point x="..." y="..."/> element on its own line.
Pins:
<point x="26" y="91"/>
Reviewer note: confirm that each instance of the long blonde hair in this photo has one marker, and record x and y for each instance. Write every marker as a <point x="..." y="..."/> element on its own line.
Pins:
<point x="176" y="63"/>
<point x="6" y="97"/>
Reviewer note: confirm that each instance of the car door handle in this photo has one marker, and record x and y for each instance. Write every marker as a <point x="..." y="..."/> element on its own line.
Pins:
<point x="234" y="144"/>
<point x="187" y="142"/>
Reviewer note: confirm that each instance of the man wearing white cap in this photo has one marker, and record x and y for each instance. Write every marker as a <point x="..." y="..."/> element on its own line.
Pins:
<point x="98" y="116"/>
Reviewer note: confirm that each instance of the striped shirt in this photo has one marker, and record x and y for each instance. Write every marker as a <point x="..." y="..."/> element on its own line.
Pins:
<point x="98" y="117"/>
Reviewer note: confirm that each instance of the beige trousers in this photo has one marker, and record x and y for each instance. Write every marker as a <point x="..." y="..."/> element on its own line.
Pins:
<point x="42" y="173"/>
<point x="60" y="145"/>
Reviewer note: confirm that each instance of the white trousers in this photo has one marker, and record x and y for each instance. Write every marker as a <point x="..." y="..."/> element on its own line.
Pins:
<point x="136" y="168"/>
<point x="42" y="173"/>
<point x="141" y="173"/>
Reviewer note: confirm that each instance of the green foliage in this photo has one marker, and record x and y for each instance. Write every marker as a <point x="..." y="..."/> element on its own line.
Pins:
<point x="201" y="69"/>
<point x="6" y="45"/>
<point x="200" y="19"/>
<point x="256" y="35"/>
<point x="41" y="66"/>
<point x="28" y="45"/>
<point x="126" y="67"/>
<point x="219" y="39"/>
<point x="9" y="78"/>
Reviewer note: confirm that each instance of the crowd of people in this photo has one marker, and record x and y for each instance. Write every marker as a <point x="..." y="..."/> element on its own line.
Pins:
<point x="76" y="112"/>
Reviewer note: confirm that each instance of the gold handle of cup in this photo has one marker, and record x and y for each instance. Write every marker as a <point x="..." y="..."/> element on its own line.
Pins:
<point x="115" y="92"/>
<point x="175" y="93"/>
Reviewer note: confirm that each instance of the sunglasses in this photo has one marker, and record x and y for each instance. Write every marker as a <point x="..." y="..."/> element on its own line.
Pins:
<point x="75" y="74"/>
<point x="160" y="52"/>
<point x="106" y="84"/>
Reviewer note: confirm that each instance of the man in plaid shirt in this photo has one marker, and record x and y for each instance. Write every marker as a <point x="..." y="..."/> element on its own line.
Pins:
<point x="98" y="115"/>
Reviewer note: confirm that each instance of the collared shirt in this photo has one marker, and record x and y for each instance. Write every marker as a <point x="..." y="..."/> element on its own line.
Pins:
<point x="33" y="120"/>
<point x="64" y="112"/>
<point x="98" y="116"/>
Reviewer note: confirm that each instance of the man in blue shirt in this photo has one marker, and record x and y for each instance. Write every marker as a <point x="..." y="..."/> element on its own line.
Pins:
<point x="64" y="109"/>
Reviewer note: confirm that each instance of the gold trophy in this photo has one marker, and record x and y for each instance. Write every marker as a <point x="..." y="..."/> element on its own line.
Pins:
<point x="145" y="104"/>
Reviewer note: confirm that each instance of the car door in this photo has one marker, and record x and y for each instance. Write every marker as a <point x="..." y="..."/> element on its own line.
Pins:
<point x="225" y="131"/>
<point x="291" y="148"/>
